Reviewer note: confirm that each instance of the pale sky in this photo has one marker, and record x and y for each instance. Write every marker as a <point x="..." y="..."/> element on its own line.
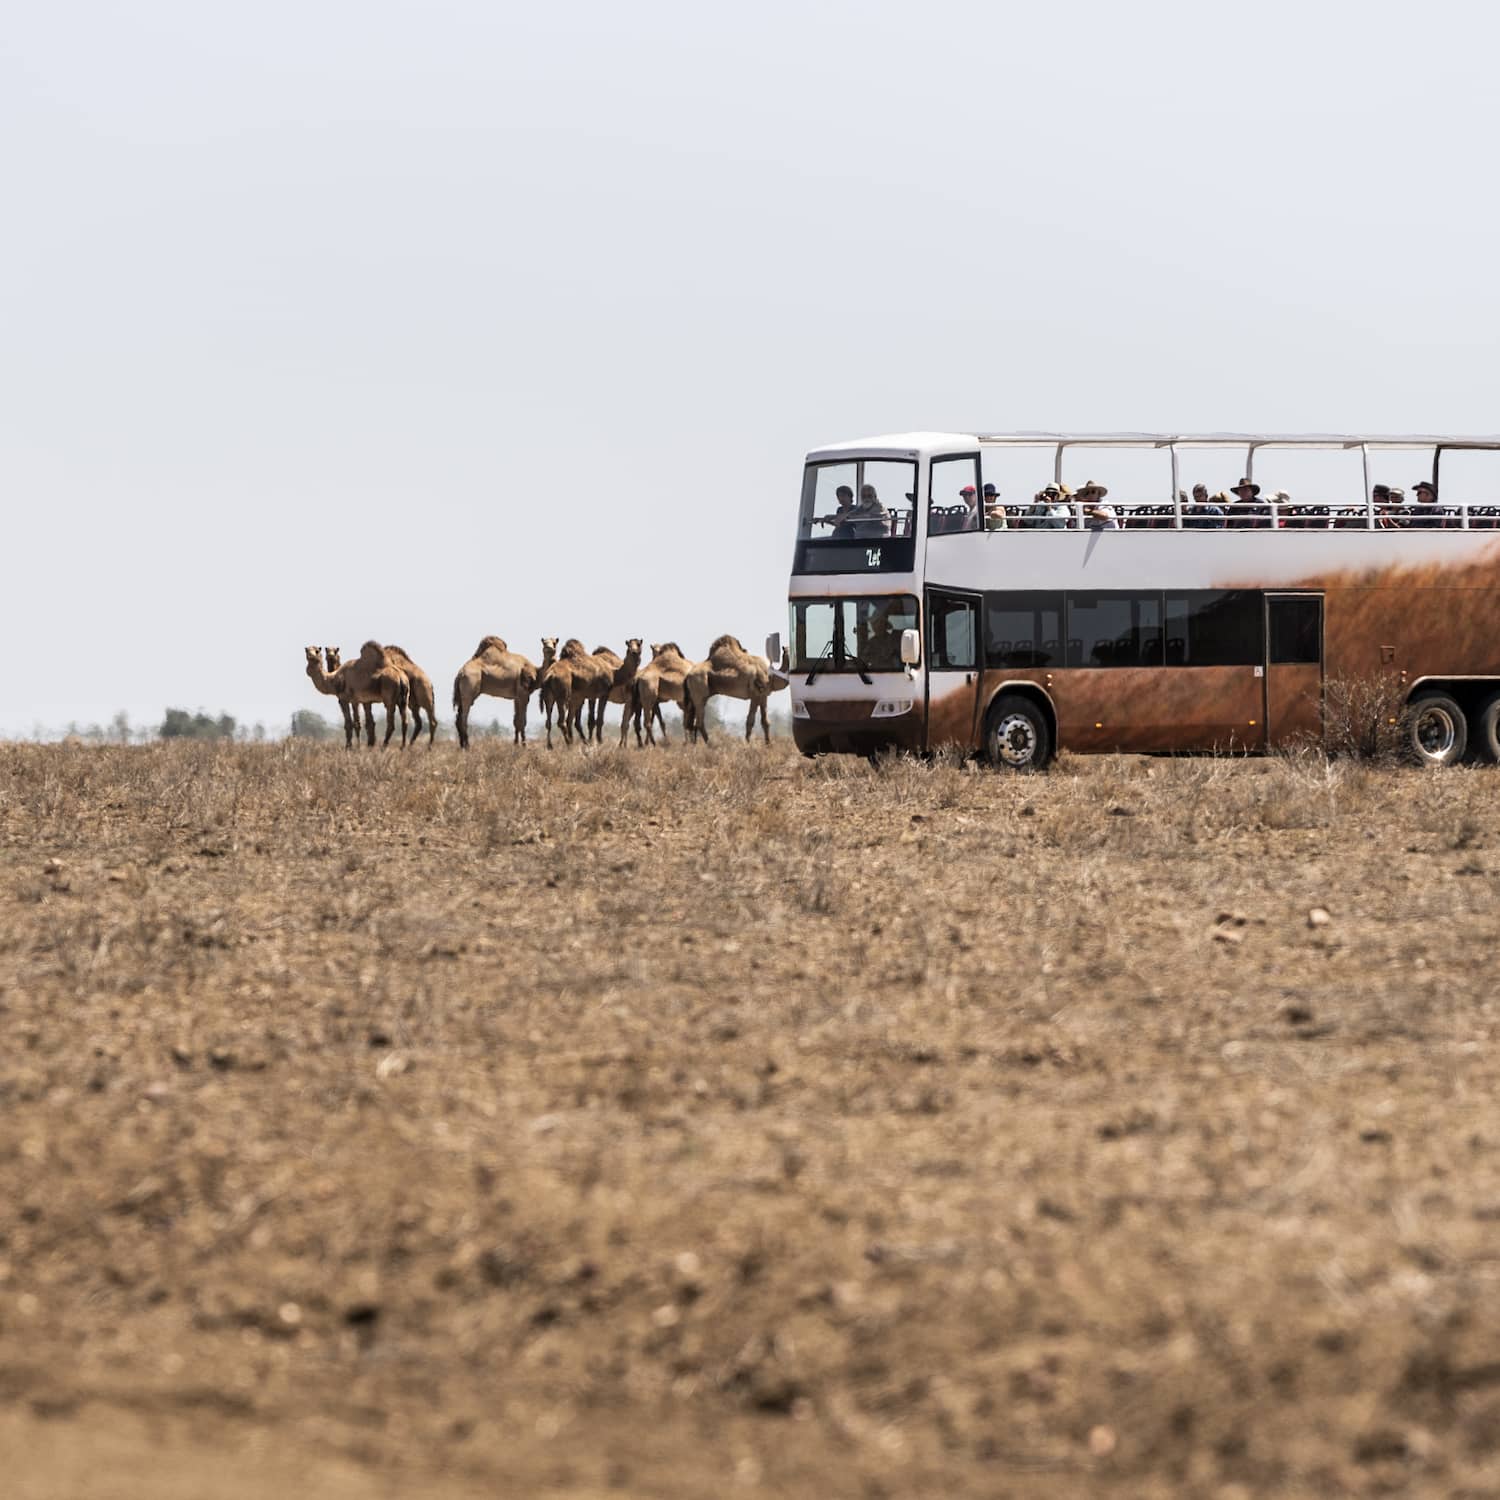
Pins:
<point x="423" y="322"/>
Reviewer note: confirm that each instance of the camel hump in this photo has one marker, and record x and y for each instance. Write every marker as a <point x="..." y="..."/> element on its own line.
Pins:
<point x="491" y="643"/>
<point x="726" y="643"/>
<point x="573" y="647"/>
<point x="396" y="651"/>
<point x="668" y="648"/>
<point x="372" y="653"/>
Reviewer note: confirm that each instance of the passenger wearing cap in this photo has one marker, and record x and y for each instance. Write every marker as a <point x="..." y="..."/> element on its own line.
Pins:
<point x="970" y="520"/>
<point x="1246" y="512"/>
<point x="1425" y="515"/>
<point x="1097" y="515"/>
<point x="994" y="512"/>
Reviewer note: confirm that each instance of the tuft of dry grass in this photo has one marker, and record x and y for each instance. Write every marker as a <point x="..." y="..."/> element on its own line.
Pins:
<point x="717" y="1121"/>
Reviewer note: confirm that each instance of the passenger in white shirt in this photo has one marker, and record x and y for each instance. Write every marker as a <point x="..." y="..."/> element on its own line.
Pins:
<point x="1097" y="515"/>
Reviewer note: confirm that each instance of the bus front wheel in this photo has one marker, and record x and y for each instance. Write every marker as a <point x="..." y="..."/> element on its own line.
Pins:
<point x="1016" y="734"/>
<point x="1435" y="730"/>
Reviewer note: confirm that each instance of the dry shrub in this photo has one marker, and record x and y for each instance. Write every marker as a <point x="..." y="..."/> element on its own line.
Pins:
<point x="1362" y="717"/>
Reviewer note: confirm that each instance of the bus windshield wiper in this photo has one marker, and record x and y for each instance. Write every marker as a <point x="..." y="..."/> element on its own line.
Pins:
<point x="817" y="666"/>
<point x="859" y="666"/>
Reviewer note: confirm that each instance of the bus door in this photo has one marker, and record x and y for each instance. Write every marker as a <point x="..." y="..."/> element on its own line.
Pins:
<point x="1294" y="668"/>
<point x="952" y="651"/>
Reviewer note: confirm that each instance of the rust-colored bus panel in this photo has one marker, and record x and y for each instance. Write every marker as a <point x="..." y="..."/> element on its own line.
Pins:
<point x="1294" y="704"/>
<point x="1159" y="708"/>
<point x="1149" y="708"/>
<point x="950" y="719"/>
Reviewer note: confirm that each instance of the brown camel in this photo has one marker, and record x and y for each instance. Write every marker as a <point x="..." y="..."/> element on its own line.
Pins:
<point x="496" y="670"/>
<point x="659" y="681"/>
<point x="325" y="684"/>
<point x="554" y="682"/>
<point x="590" y="680"/>
<point x="420" y="694"/>
<point x="370" y="678"/>
<point x="730" y="672"/>
<point x="623" y="670"/>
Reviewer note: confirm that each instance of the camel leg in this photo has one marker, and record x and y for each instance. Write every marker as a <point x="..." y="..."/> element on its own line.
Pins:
<point x="369" y="724"/>
<point x="461" y="706"/>
<point x="519" y="720"/>
<point x="417" y="714"/>
<point x="390" y="727"/>
<point x="431" y="724"/>
<point x="750" y="723"/>
<point x="351" y="723"/>
<point x="661" y="720"/>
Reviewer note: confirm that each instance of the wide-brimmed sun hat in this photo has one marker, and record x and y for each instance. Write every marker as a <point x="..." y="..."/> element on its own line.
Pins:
<point x="1424" y="484"/>
<point x="1090" y="488"/>
<point x="1247" y="484"/>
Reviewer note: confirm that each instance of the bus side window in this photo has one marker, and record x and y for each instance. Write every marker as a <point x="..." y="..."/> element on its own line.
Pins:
<point x="949" y="508"/>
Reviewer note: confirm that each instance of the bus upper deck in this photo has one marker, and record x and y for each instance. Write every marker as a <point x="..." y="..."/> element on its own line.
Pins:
<point x="869" y="490"/>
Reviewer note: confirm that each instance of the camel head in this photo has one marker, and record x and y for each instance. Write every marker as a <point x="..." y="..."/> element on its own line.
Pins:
<point x="549" y="649"/>
<point x="331" y="656"/>
<point x="633" y="648"/>
<point x="314" y="658"/>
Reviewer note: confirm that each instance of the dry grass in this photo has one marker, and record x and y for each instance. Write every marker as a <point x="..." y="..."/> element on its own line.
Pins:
<point x="700" y="1122"/>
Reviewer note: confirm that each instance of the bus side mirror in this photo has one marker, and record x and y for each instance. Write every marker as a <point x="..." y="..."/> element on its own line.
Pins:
<point x="773" y="647"/>
<point x="911" y="647"/>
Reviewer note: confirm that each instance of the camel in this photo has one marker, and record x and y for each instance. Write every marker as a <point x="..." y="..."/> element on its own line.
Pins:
<point x="502" y="673"/>
<point x="325" y="684"/>
<point x="591" y="681"/>
<point x="420" y="694"/>
<point x="731" y="672"/>
<point x="370" y="678"/>
<point x="623" y="670"/>
<point x="554" y="681"/>
<point x="659" y="681"/>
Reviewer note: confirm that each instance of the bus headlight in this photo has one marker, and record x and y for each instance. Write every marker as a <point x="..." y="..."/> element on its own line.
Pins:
<point x="890" y="708"/>
<point x="800" y="709"/>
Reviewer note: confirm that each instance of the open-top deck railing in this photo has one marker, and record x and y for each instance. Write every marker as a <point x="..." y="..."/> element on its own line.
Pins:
<point x="1176" y="514"/>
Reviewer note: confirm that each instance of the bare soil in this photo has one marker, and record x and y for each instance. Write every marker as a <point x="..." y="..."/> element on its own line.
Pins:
<point x="702" y="1123"/>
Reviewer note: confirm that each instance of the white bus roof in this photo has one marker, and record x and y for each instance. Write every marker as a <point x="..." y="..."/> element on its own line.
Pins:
<point x="909" y="444"/>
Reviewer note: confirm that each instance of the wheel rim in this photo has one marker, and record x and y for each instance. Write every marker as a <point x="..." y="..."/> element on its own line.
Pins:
<point x="1015" y="741"/>
<point x="1435" y="732"/>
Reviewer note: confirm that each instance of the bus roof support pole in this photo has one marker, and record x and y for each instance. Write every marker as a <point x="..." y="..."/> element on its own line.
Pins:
<point x="1364" y="458"/>
<point x="1057" y="466"/>
<point x="1176" y="491"/>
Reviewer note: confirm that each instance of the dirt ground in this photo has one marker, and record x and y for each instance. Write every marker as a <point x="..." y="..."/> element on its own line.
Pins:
<point x="707" y="1123"/>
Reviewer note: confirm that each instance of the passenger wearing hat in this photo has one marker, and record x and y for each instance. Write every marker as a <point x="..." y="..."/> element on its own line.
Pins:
<point x="994" y="512"/>
<point x="1097" y="515"/>
<point x="1246" y="514"/>
<point x="1425" y="516"/>
<point x="1049" y="510"/>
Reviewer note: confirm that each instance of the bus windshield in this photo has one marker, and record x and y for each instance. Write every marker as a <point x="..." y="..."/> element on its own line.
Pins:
<point x="858" y="499"/>
<point x="851" y="635"/>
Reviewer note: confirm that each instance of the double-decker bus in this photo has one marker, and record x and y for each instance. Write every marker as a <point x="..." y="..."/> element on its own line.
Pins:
<point x="930" y="607"/>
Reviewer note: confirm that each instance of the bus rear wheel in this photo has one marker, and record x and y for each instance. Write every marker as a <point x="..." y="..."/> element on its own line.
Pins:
<point x="1487" y="729"/>
<point x="1016" y="734"/>
<point x="1435" y="731"/>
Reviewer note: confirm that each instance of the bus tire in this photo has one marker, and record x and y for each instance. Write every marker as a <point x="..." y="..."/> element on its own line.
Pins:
<point x="1434" y="731"/>
<point x="1016" y="736"/>
<point x="1486" y="729"/>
